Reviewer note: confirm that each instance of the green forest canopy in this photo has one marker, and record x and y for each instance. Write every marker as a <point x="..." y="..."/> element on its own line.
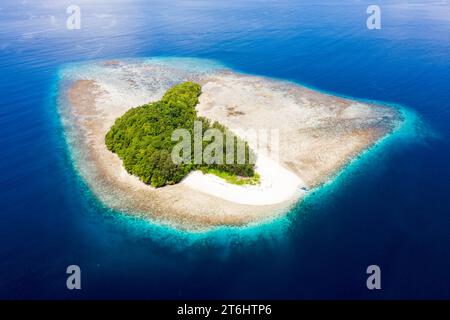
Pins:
<point x="142" y="138"/>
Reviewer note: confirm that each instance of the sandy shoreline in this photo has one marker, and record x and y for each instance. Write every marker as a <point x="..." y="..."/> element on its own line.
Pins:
<point x="318" y="135"/>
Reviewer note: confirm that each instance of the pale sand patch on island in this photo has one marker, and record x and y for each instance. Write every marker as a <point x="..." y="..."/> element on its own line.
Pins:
<point x="276" y="185"/>
<point x="319" y="134"/>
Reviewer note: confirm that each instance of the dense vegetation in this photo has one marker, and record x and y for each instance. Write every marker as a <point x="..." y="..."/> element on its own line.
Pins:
<point x="142" y="138"/>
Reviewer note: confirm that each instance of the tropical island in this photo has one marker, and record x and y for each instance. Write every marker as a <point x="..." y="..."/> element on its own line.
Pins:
<point x="120" y="117"/>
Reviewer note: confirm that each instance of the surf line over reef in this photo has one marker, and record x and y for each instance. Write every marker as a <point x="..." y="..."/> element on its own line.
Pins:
<point x="119" y="118"/>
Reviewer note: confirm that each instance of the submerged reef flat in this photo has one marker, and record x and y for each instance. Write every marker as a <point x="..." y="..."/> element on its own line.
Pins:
<point x="317" y="134"/>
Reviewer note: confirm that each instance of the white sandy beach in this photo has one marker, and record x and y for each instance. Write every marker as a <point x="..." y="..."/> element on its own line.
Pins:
<point x="277" y="185"/>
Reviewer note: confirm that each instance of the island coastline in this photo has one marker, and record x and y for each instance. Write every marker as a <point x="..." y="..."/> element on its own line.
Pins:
<point x="187" y="205"/>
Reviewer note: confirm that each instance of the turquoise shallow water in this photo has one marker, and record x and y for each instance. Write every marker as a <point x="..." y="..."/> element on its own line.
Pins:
<point x="390" y="207"/>
<point x="409" y="128"/>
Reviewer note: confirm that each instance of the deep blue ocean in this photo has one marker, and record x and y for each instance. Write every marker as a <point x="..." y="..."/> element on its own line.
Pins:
<point x="390" y="208"/>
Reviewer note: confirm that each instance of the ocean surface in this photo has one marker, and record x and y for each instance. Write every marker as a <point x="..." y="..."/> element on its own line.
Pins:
<point x="390" y="207"/>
